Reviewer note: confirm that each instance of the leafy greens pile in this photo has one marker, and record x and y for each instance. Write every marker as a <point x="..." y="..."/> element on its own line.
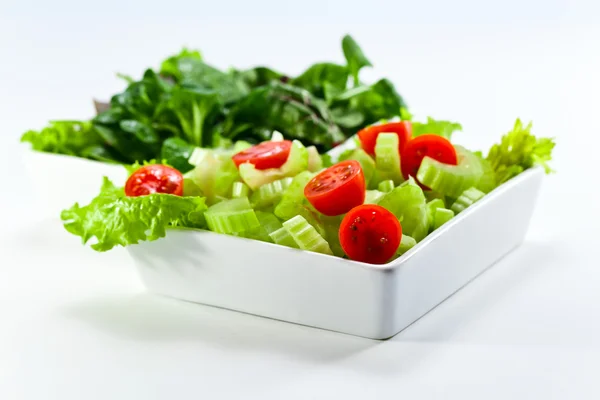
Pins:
<point x="189" y="103"/>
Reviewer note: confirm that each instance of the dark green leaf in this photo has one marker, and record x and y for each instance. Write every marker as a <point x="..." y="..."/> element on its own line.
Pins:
<point x="355" y="57"/>
<point x="259" y="76"/>
<point x="170" y="66"/>
<point x="288" y="109"/>
<point x="196" y="111"/>
<point x="318" y="76"/>
<point x="176" y="152"/>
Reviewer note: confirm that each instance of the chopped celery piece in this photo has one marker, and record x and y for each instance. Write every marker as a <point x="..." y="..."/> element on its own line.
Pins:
<point x="232" y="217"/>
<point x="373" y="196"/>
<point x="214" y="176"/>
<point x="432" y="206"/>
<point x="451" y="180"/>
<point x="297" y="162"/>
<point x="387" y="157"/>
<point x="241" y="145"/>
<point x="305" y="236"/>
<point x="407" y="203"/>
<point x="406" y="243"/>
<point x="441" y="216"/>
<point x="487" y="183"/>
<point x="270" y="193"/>
<point x="386" y="186"/>
<point x="277" y="136"/>
<point x="466" y="199"/>
<point x="269" y="223"/>
<point x="233" y="223"/>
<point x="198" y="155"/>
<point x="332" y="234"/>
<point x="239" y="189"/>
<point x="366" y="162"/>
<point x="282" y="237"/>
<point x="293" y="197"/>
<point x="315" y="163"/>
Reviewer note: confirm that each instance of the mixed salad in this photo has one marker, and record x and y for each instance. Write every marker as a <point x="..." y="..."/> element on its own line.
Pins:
<point x="258" y="154"/>
<point x="370" y="203"/>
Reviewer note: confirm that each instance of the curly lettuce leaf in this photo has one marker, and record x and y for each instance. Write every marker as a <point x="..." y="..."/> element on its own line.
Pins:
<point x="113" y="219"/>
<point x="436" y="127"/>
<point x="74" y="138"/>
<point x="519" y="150"/>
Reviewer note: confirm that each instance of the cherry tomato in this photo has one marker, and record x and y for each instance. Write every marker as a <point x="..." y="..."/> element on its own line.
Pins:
<point x="368" y="135"/>
<point x="433" y="146"/>
<point x="338" y="189"/>
<point x="265" y="155"/>
<point x="370" y="233"/>
<point x="154" y="178"/>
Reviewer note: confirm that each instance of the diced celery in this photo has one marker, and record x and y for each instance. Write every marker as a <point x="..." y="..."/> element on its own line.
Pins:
<point x="366" y="162"/>
<point x="431" y="207"/>
<point x="387" y="157"/>
<point x="277" y="136"/>
<point x="407" y="203"/>
<point x="487" y="183"/>
<point x="214" y="176"/>
<point x="241" y="145"/>
<point x="406" y="243"/>
<point x="315" y="163"/>
<point x="270" y="193"/>
<point x="466" y="199"/>
<point x="306" y="236"/>
<point x="239" y="189"/>
<point x="297" y="162"/>
<point x="269" y="223"/>
<point x="332" y="234"/>
<point x="282" y="237"/>
<point x="373" y="197"/>
<point x="293" y="197"/>
<point x="386" y="186"/>
<point x="233" y="217"/>
<point x="451" y="180"/>
<point x="441" y="216"/>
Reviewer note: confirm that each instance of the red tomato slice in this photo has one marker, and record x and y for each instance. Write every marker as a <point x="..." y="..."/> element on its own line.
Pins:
<point x="338" y="189"/>
<point x="433" y="146"/>
<point x="265" y="155"/>
<point x="154" y="179"/>
<point x="370" y="233"/>
<point x="368" y="135"/>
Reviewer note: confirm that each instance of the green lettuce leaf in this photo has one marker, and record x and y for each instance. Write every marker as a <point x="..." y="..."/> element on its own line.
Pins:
<point x="74" y="138"/>
<point x="113" y="219"/>
<point x="519" y="150"/>
<point x="436" y="127"/>
<point x="170" y="66"/>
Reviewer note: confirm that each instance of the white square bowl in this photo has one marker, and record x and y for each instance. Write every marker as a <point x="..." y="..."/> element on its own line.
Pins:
<point x="373" y="301"/>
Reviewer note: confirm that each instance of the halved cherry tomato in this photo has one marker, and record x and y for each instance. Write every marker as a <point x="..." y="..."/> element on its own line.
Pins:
<point x="433" y="146"/>
<point x="338" y="189"/>
<point x="370" y="233"/>
<point x="265" y="155"/>
<point x="368" y="135"/>
<point x="154" y="178"/>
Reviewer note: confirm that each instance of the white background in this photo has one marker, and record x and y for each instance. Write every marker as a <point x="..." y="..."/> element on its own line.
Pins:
<point x="77" y="325"/>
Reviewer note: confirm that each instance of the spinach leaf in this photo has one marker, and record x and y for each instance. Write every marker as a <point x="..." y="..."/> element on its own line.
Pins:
<point x="176" y="152"/>
<point x="259" y="76"/>
<point x="372" y="103"/>
<point x="355" y="57"/>
<point x="196" y="111"/>
<point x="128" y="126"/>
<point x="170" y="66"/>
<point x="291" y="110"/>
<point x="192" y="72"/>
<point x="323" y="79"/>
